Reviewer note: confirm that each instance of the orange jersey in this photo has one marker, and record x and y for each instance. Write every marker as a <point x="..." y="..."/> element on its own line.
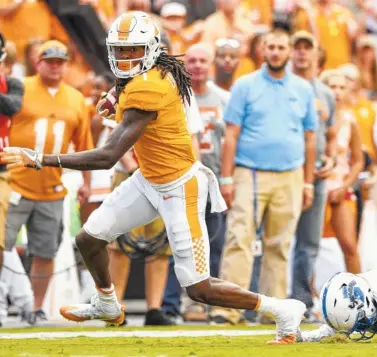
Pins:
<point x="32" y="19"/>
<point x="164" y="150"/>
<point x="365" y="115"/>
<point x="332" y="31"/>
<point x="48" y="124"/>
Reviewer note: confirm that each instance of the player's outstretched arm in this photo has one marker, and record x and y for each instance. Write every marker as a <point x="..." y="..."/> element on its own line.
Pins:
<point x="120" y="141"/>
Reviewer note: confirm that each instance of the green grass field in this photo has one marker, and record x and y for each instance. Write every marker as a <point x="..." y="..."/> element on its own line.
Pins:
<point x="173" y="347"/>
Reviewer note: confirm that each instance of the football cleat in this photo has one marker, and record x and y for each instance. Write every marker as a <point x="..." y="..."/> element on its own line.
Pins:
<point x="287" y="315"/>
<point x="103" y="306"/>
<point x="315" y="335"/>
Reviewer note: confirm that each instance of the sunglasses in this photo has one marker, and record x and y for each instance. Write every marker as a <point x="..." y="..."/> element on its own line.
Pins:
<point x="222" y="42"/>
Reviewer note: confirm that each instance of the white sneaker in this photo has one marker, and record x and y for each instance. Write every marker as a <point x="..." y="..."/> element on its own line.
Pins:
<point x="103" y="306"/>
<point x="315" y="335"/>
<point x="288" y="315"/>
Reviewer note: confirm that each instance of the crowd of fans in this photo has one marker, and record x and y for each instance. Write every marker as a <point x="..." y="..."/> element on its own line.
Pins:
<point x="273" y="202"/>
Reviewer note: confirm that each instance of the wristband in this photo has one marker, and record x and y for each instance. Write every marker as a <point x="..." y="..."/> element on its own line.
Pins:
<point x="226" y="180"/>
<point x="308" y="186"/>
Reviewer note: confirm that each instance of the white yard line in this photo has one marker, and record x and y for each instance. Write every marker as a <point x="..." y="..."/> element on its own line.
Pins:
<point x="141" y="334"/>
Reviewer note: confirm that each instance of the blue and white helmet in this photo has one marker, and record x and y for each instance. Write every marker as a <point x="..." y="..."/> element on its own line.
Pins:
<point x="349" y="306"/>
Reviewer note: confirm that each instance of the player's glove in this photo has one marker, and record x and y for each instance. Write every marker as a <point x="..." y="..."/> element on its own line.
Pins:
<point x="16" y="157"/>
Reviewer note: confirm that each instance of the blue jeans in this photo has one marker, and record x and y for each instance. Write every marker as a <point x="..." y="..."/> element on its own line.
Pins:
<point x="308" y="237"/>
<point x="216" y="232"/>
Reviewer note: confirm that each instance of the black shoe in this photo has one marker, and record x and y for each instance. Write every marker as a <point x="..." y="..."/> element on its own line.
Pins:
<point x="219" y="320"/>
<point x="156" y="317"/>
<point x="36" y="317"/>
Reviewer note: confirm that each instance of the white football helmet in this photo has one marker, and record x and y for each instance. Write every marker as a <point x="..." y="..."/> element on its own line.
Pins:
<point x="134" y="28"/>
<point x="349" y="306"/>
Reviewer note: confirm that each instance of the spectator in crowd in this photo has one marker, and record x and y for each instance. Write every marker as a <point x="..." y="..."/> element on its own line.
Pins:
<point x="267" y="170"/>
<point x="198" y="9"/>
<point x="11" y="96"/>
<point x="366" y="60"/>
<point x="227" y="60"/>
<point x="365" y="115"/>
<point x="362" y="107"/>
<point x="21" y="20"/>
<point x="174" y="15"/>
<point x="31" y="56"/>
<point x="340" y="216"/>
<point x="52" y="115"/>
<point x="369" y="10"/>
<point x="100" y="184"/>
<point x="211" y="101"/>
<point x="310" y="224"/>
<point x="133" y="5"/>
<point x="321" y="60"/>
<point x="334" y="26"/>
<point x="254" y="57"/>
<point x="229" y="20"/>
<point x="11" y="59"/>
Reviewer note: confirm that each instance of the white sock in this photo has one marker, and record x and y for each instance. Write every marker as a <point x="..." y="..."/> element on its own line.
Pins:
<point x="107" y="291"/>
<point x="267" y="304"/>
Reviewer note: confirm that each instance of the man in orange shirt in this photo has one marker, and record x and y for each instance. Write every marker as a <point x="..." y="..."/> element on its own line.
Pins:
<point x="21" y="20"/>
<point x="52" y="115"/>
<point x="151" y="88"/>
<point x="333" y="25"/>
<point x="230" y="20"/>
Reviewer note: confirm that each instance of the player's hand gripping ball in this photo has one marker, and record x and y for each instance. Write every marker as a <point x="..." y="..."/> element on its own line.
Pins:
<point x="106" y="106"/>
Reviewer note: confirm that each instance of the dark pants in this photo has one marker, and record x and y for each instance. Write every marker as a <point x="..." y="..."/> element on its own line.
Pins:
<point x="216" y="232"/>
<point x="308" y="237"/>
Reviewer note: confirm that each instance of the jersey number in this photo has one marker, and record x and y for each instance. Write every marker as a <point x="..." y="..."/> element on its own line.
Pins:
<point x="40" y="129"/>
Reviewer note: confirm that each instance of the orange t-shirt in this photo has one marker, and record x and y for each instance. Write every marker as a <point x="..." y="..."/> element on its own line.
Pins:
<point x="32" y="19"/>
<point x="217" y="26"/>
<point x="246" y="66"/>
<point x="48" y="123"/>
<point x="332" y="32"/>
<point x="365" y="115"/>
<point x="260" y="11"/>
<point x="164" y="150"/>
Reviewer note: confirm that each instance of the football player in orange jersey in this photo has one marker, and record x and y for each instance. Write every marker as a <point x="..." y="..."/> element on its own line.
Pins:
<point x="170" y="182"/>
<point x="52" y="115"/>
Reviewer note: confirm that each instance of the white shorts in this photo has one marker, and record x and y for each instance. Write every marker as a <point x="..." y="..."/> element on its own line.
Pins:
<point x="135" y="202"/>
<point x="100" y="185"/>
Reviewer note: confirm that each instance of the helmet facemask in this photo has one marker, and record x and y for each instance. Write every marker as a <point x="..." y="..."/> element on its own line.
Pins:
<point x="142" y="32"/>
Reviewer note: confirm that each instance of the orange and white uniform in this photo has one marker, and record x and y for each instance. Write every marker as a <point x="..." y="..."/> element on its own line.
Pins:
<point x="48" y="121"/>
<point x="342" y="168"/>
<point x="170" y="183"/>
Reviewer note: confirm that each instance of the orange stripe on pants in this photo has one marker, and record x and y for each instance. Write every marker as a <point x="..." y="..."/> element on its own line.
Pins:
<point x="191" y="196"/>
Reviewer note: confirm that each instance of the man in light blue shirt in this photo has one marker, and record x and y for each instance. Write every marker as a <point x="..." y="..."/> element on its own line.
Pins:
<point x="267" y="172"/>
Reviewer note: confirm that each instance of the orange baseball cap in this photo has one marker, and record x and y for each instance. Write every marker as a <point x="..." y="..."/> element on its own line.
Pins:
<point x="53" y="49"/>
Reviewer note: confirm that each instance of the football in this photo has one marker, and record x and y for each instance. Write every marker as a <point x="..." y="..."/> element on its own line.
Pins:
<point x="108" y="102"/>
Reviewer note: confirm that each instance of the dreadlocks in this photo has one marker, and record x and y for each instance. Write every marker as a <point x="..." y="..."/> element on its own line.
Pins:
<point x="166" y="64"/>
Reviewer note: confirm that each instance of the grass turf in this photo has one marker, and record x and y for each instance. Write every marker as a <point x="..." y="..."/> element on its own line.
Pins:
<point x="176" y="347"/>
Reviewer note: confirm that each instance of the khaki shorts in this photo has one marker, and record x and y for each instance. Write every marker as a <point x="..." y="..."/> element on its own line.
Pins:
<point x="4" y="199"/>
<point x="148" y="231"/>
